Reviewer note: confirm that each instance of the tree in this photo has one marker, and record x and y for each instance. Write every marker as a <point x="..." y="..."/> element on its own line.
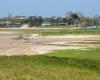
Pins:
<point x="40" y="20"/>
<point x="83" y="22"/>
<point x="72" y="18"/>
<point x="75" y="18"/>
<point x="35" y="21"/>
<point x="31" y="21"/>
<point x="52" y="21"/>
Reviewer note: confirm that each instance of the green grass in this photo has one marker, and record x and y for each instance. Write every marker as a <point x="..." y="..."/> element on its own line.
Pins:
<point x="93" y="54"/>
<point x="53" y="31"/>
<point x="74" y="32"/>
<point x="59" y="65"/>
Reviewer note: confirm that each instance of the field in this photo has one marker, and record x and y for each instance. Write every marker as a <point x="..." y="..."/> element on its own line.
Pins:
<point x="54" y="31"/>
<point x="73" y="55"/>
<point x="67" y="65"/>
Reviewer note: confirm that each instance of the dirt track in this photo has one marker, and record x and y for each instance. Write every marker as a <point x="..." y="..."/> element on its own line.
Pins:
<point x="30" y="45"/>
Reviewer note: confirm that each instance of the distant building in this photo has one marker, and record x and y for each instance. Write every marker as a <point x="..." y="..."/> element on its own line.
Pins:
<point x="46" y="24"/>
<point x="21" y="17"/>
<point x="8" y="24"/>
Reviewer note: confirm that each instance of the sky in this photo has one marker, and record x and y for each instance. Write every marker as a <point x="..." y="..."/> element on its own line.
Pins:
<point x="48" y="8"/>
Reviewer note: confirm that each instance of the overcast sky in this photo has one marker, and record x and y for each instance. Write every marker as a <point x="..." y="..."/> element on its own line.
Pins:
<point x="48" y="7"/>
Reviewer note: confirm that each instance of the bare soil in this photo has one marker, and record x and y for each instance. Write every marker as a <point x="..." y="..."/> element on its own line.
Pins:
<point x="33" y="44"/>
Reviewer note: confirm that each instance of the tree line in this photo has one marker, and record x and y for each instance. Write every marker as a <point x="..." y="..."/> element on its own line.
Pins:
<point x="73" y="19"/>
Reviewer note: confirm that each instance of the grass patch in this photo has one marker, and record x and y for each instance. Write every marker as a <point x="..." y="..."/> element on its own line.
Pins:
<point x="48" y="68"/>
<point x="74" y="32"/>
<point x="59" y="65"/>
<point x="53" y="31"/>
<point x="81" y="54"/>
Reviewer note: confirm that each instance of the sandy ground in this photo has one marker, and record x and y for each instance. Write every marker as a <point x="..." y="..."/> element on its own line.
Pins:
<point x="12" y="44"/>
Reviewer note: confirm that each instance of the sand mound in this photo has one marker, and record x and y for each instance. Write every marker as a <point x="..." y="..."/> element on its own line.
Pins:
<point x="25" y="26"/>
